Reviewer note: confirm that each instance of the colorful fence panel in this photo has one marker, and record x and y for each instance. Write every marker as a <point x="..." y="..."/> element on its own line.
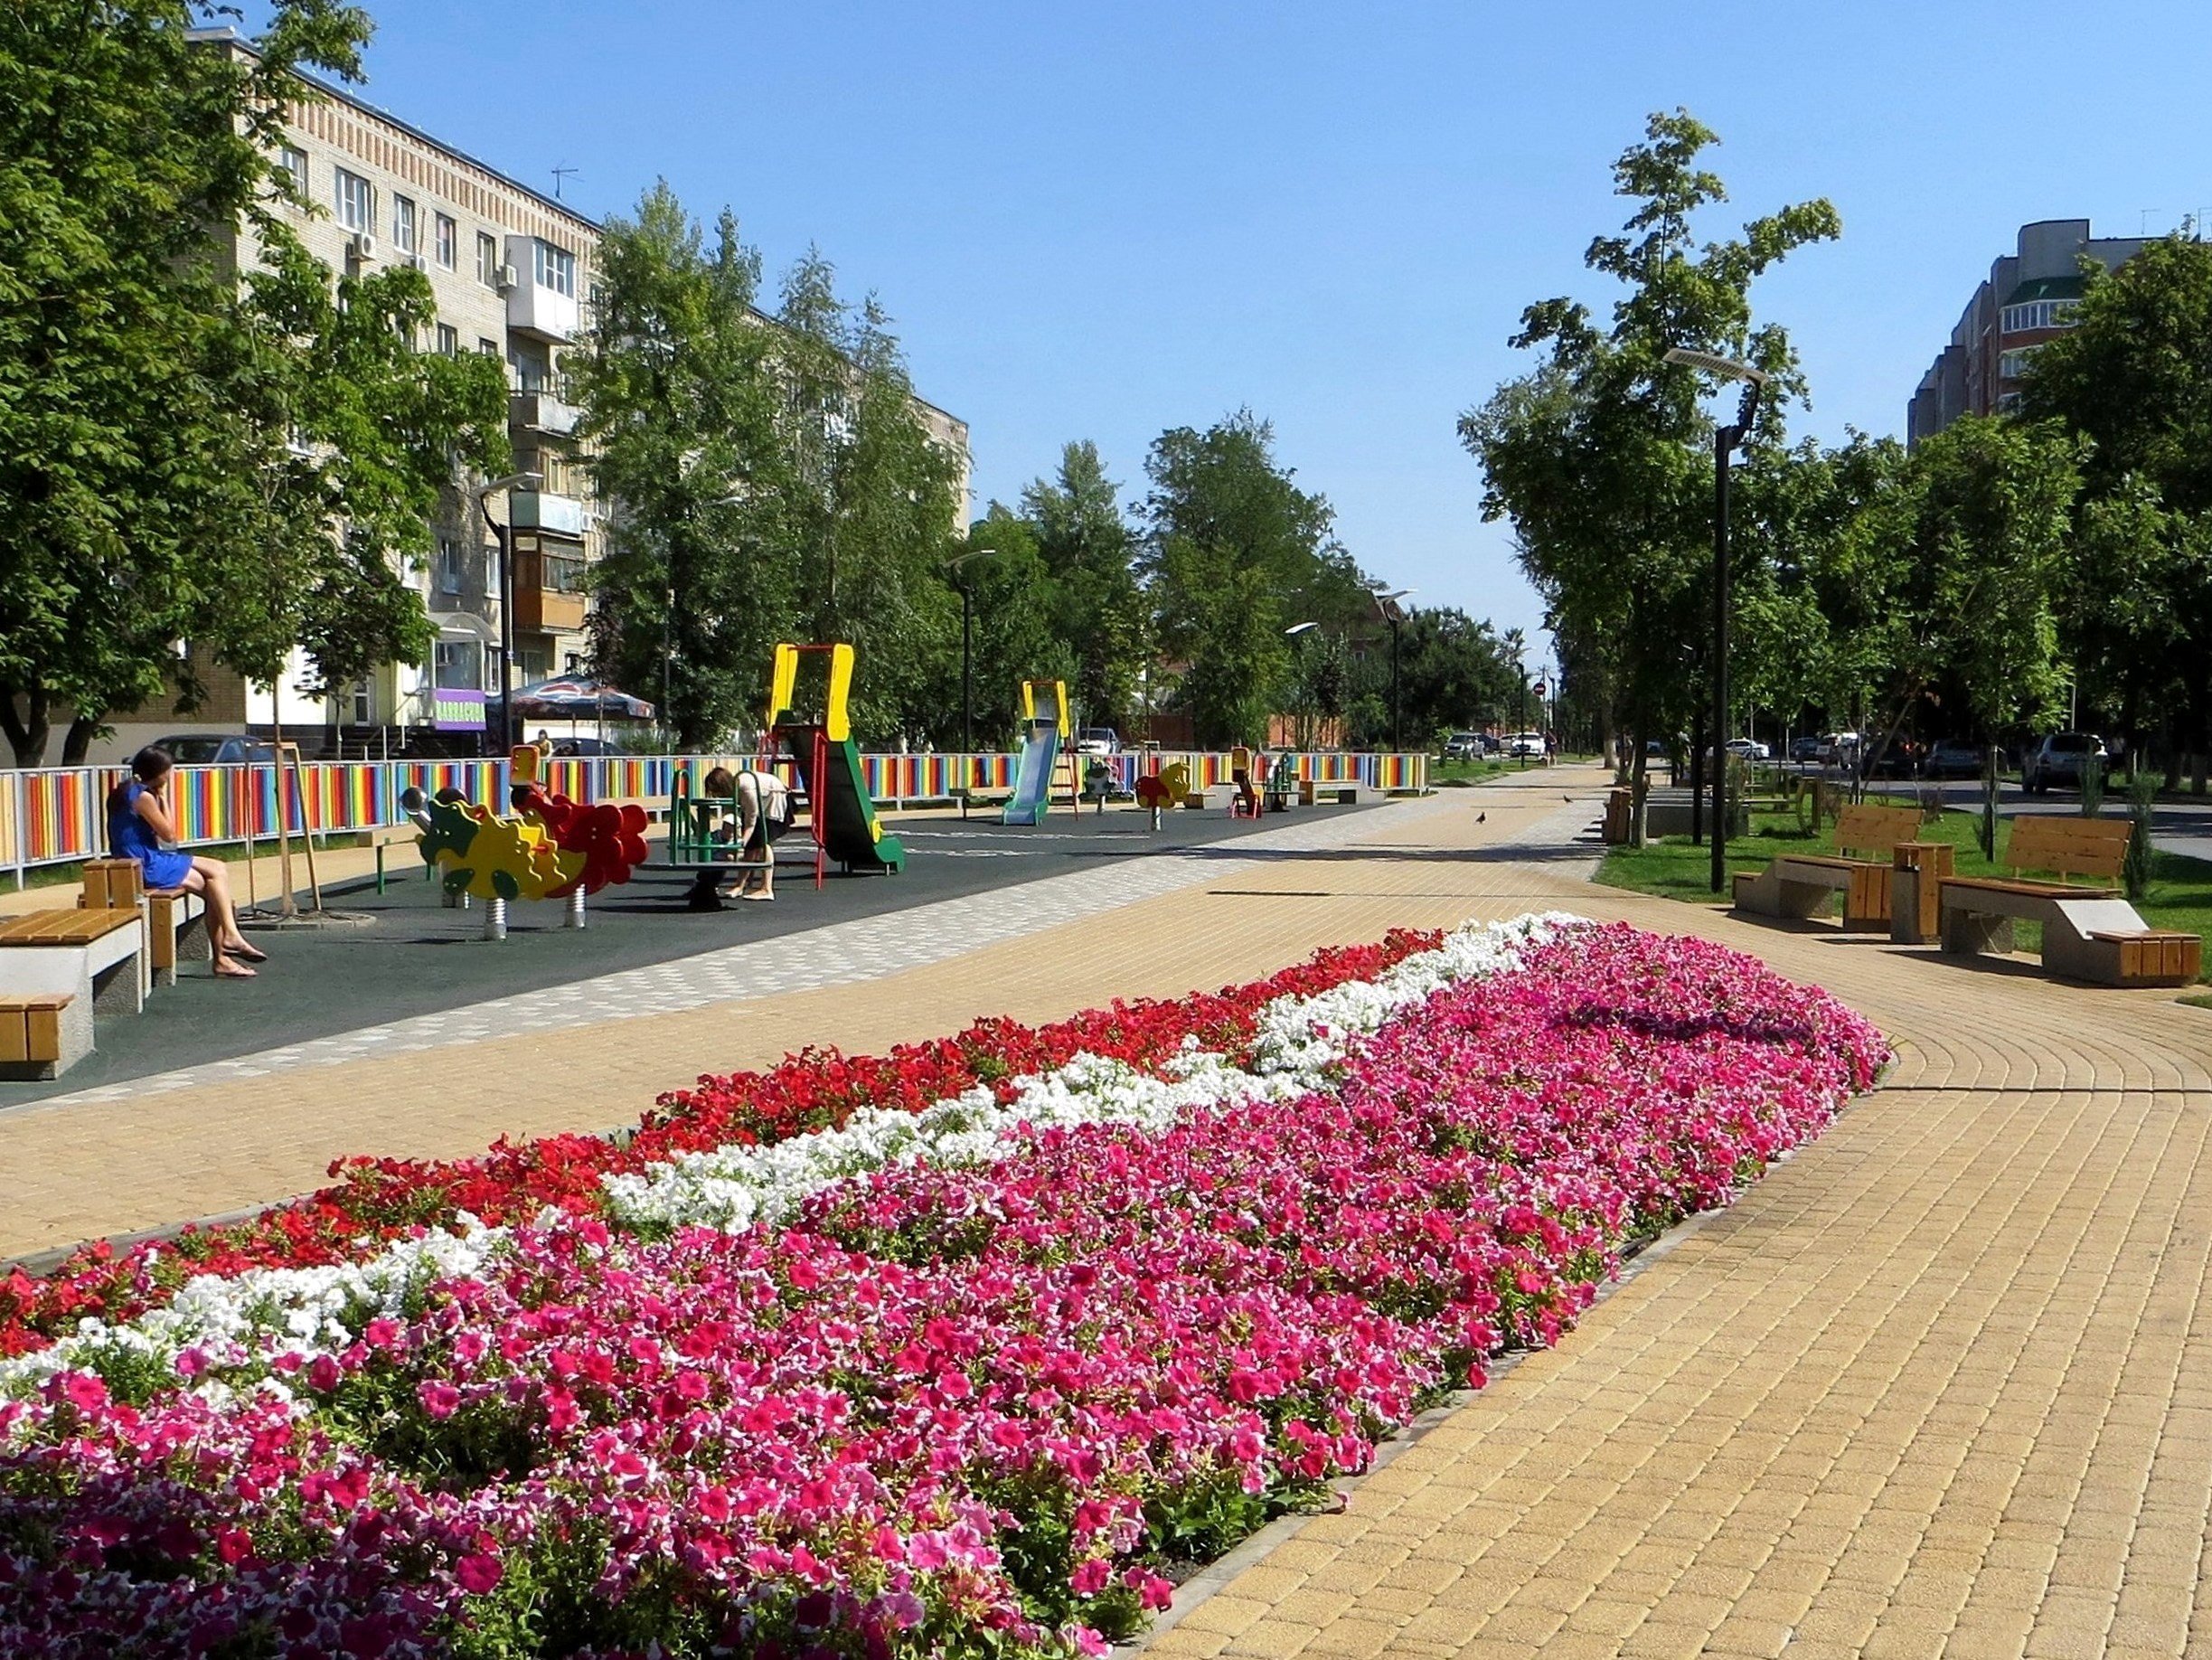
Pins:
<point x="56" y="815"/>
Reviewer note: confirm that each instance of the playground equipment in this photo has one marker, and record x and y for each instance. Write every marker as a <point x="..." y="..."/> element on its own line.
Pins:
<point x="1245" y="803"/>
<point x="1046" y="758"/>
<point x="822" y="752"/>
<point x="554" y="848"/>
<point x="1158" y="791"/>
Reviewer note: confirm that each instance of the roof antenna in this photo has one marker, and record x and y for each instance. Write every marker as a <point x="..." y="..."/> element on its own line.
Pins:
<point x="2146" y="222"/>
<point x="561" y="174"/>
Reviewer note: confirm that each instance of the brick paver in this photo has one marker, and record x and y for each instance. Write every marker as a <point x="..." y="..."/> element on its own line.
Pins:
<point x="1941" y="1383"/>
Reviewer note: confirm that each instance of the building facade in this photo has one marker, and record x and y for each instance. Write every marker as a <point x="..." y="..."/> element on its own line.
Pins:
<point x="2029" y="298"/>
<point x="511" y="270"/>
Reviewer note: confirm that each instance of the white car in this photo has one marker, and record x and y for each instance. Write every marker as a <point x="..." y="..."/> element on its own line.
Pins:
<point x="1526" y="746"/>
<point x="1747" y="749"/>
<point x="1098" y="741"/>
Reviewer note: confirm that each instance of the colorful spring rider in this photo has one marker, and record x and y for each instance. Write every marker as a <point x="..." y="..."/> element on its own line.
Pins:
<point x="554" y="848"/>
<point x="1047" y="766"/>
<point x="815" y="731"/>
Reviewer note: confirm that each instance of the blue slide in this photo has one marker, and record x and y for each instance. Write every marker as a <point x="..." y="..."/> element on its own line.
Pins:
<point x="1040" y="752"/>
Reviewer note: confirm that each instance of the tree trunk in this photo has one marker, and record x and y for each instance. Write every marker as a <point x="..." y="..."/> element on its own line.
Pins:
<point x="26" y="729"/>
<point x="1639" y="786"/>
<point x="77" y="741"/>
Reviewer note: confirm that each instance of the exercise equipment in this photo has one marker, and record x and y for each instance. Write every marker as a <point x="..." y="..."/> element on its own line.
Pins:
<point x="1046" y="758"/>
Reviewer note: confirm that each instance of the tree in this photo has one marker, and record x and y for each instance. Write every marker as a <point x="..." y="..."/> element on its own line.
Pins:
<point x="357" y="431"/>
<point x="124" y="145"/>
<point x="2134" y="376"/>
<point x="1234" y="547"/>
<point x="1098" y="608"/>
<point x="1601" y="456"/>
<point x="1014" y="602"/>
<point x="678" y="381"/>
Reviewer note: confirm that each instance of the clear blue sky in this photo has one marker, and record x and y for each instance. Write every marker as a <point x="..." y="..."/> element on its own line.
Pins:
<point x="1101" y="220"/>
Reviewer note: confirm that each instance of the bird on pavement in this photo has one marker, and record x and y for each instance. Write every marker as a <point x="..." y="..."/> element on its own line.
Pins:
<point x="1568" y="800"/>
<point x="1482" y="818"/>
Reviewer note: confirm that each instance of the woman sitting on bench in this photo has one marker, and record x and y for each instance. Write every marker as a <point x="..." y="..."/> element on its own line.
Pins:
<point x="138" y="824"/>
<point x="764" y="813"/>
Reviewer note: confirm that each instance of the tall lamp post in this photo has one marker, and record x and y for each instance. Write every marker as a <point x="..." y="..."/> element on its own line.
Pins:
<point x="513" y="481"/>
<point x="1727" y="440"/>
<point x="1304" y="741"/>
<point x="967" y="645"/>
<point x="1394" y="614"/>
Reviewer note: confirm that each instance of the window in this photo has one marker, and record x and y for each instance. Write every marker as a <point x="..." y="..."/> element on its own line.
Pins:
<point x="2011" y="365"/>
<point x="532" y="365"/>
<point x="356" y="201"/>
<point x="487" y="260"/>
<point x="448" y="240"/>
<point x="449" y="340"/>
<point x="448" y="569"/>
<point x="293" y="160"/>
<point x="487" y="345"/>
<point x="553" y="268"/>
<point x="460" y="665"/>
<point x="2039" y="314"/>
<point x="403" y="223"/>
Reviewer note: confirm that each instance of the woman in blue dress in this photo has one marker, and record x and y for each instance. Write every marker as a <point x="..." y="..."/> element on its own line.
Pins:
<point x="138" y="825"/>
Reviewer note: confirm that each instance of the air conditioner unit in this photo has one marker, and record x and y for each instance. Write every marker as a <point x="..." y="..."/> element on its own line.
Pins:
<point x="361" y="245"/>
<point x="414" y="259"/>
<point x="504" y="278"/>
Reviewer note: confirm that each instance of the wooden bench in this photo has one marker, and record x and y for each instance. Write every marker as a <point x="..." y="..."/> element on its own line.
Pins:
<point x="1802" y="885"/>
<point x="39" y="1035"/>
<point x="175" y="920"/>
<point x="2089" y="931"/>
<point x="70" y="963"/>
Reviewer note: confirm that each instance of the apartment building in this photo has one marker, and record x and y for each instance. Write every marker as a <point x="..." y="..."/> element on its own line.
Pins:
<point x="2029" y="299"/>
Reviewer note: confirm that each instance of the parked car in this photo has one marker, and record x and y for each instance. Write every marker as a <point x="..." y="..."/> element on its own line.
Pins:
<point x="585" y="746"/>
<point x="1952" y="758"/>
<point x="214" y="748"/>
<point x="1893" y="757"/>
<point x="1806" y="748"/>
<point x="1465" y="746"/>
<point x="1747" y="749"/>
<point x="1099" y="740"/>
<point x="1528" y="745"/>
<point x="2059" y="758"/>
<point x="1839" y="750"/>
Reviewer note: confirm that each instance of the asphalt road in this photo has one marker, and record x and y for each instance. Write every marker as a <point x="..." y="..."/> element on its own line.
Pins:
<point x="2176" y="826"/>
<point x="416" y="957"/>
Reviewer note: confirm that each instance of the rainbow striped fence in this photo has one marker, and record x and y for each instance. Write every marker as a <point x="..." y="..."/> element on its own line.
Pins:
<point x="55" y="816"/>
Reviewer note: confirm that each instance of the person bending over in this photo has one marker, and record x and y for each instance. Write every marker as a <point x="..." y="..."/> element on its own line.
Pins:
<point x="138" y="825"/>
<point x="764" y="812"/>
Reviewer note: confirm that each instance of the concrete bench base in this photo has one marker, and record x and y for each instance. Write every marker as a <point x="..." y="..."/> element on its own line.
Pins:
<point x="2090" y="935"/>
<point x="177" y="927"/>
<point x="42" y="1035"/>
<point x="1803" y="888"/>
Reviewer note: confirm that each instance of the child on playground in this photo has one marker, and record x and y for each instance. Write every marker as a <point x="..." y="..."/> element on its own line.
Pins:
<point x="765" y="811"/>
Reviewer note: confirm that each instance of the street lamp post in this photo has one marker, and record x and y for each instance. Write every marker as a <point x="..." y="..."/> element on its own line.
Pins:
<point x="1304" y="737"/>
<point x="967" y="647"/>
<point x="1727" y="440"/>
<point x="513" y="481"/>
<point x="1394" y="614"/>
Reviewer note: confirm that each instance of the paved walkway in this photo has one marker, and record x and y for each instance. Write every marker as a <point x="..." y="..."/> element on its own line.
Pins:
<point x="1940" y="1384"/>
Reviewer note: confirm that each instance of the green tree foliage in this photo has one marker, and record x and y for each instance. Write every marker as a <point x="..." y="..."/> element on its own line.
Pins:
<point x="1601" y="457"/>
<point x="776" y="481"/>
<point x="122" y="427"/>
<point x="1098" y="608"/>
<point x="677" y="381"/>
<point x="1235" y="553"/>
<point x="358" y="432"/>
<point x="2135" y="377"/>
<point x="1016" y="608"/>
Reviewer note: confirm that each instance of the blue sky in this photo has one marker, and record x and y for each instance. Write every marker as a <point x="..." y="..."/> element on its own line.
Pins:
<point x="1098" y="221"/>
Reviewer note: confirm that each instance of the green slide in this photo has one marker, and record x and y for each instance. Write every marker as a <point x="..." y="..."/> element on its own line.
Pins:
<point x="854" y="837"/>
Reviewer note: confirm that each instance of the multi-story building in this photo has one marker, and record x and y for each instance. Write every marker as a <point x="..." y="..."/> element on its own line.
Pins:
<point x="2030" y="299"/>
<point x="511" y="270"/>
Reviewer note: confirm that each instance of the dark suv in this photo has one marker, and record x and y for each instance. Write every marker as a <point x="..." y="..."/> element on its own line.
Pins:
<point x="2059" y="759"/>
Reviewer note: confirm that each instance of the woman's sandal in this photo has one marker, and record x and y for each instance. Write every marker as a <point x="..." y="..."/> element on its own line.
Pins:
<point x="232" y="971"/>
<point x="245" y="953"/>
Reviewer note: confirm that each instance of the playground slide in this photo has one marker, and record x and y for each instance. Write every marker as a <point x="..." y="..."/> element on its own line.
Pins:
<point x="855" y="836"/>
<point x="1039" y="752"/>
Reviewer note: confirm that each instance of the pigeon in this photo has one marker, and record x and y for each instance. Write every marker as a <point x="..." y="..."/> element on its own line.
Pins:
<point x="1482" y="818"/>
<point x="1568" y="800"/>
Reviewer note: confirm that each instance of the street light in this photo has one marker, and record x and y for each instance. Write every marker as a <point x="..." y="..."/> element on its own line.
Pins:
<point x="1304" y="740"/>
<point x="513" y="481"/>
<point x="967" y="647"/>
<point x="1394" y="614"/>
<point x="1726" y="441"/>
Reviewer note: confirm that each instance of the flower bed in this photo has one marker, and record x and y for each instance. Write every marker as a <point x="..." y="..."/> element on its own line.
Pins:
<point x="376" y="1201"/>
<point x="978" y="1396"/>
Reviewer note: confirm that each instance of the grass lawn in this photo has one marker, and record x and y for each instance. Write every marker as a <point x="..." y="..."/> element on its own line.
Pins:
<point x="1469" y="772"/>
<point x="2180" y="894"/>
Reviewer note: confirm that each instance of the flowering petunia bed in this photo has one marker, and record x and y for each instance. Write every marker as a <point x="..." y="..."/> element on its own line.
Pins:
<point x="962" y="1354"/>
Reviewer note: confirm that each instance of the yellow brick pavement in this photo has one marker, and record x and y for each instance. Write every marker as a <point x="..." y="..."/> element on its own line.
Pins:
<point x="1940" y="1384"/>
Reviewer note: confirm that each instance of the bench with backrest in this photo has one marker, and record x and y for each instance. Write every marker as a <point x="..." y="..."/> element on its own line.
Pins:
<point x="175" y="920"/>
<point x="2089" y="931"/>
<point x="1803" y="885"/>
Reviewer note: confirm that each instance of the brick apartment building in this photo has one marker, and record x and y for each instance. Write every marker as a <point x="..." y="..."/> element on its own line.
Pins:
<point x="2030" y="299"/>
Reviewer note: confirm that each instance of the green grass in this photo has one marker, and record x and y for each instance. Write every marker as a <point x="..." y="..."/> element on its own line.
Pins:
<point x="2180" y="894"/>
<point x="1467" y="771"/>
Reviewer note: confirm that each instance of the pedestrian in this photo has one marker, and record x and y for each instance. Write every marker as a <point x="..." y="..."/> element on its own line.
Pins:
<point x="139" y="827"/>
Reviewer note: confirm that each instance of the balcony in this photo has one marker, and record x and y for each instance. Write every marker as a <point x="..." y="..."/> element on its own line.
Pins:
<point x="544" y="510"/>
<point x="541" y="412"/>
<point x="549" y="591"/>
<point x="532" y="309"/>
